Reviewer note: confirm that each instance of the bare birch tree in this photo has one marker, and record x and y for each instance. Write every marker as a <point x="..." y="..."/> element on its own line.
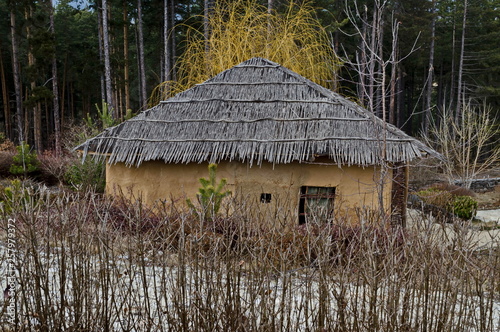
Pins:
<point x="140" y="46"/>
<point x="470" y="145"/>
<point x="461" y="64"/>
<point x="430" y="74"/>
<point x="107" y="60"/>
<point x="55" y="86"/>
<point x="376" y="72"/>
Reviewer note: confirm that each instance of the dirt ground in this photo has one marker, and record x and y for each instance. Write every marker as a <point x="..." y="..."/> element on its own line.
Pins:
<point x="489" y="200"/>
<point x="427" y="172"/>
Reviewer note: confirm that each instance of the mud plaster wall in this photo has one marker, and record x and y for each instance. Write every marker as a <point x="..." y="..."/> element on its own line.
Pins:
<point x="154" y="180"/>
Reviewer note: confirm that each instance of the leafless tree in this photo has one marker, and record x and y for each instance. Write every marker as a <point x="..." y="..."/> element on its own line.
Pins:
<point x="470" y="145"/>
<point x="461" y="65"/>
<point x="377" y="72"/>
<point x="126" y="66"/>
<point x="107" y="61"/>
<point x="430" y="75"/>
<point x="140" y="47"/>
<point x="55" y="86"/>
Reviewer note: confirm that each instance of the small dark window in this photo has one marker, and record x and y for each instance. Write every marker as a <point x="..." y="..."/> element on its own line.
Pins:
<point x="265" y="198"/>
<point x="316" y="203"/>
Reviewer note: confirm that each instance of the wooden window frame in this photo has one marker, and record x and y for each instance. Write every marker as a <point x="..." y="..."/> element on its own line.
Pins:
<point x="306" y="196"/>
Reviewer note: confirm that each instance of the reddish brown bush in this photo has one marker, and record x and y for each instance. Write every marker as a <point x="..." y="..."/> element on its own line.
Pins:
<point x="5" y="162"/>
<point x="53" y="168"/>
<point x="453" y="189"/>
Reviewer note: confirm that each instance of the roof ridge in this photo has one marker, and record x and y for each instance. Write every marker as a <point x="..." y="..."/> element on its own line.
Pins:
<point x="257" y="110"/>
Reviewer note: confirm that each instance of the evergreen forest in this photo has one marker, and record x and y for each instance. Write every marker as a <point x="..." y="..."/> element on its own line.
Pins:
<point x="101" y="61"/>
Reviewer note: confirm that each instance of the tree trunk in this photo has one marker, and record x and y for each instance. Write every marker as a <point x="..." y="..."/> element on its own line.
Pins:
<point x="101" y="56"/>
<point x="372" y="61"/>
<point x="172" y="39"/>
<point x="142" y="68"/>
<point x="55" y="87"/>
<point x="206" y="27"/>
<point x="167" y="66"/>
<point x="461" y="65"/>
<point x="37" y="111"/>
<point x="392" y="98"/>
<point x="63" y="95"/>
<point x="380" y="105"/>
<point x="107" y="61"/>
<point x="362" y="91"/>
<point x="17" y="77"/>
<point x="125" y="57"/>
<point x="5" y="98"/>
<point x="430" y="76"/>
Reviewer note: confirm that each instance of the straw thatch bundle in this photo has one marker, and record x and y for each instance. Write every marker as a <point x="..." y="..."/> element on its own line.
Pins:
<point x="256" y="111"/>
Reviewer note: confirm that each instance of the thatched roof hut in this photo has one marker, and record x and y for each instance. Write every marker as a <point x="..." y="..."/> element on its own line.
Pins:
<point x="256" y="111"/>
<point x="259" y="113"/>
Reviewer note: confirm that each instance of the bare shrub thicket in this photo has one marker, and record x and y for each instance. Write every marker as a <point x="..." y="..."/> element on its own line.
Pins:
<point x="87" y="263"/>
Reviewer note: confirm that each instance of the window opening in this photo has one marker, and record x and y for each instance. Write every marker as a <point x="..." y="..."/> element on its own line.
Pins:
<point x="265" y="198"/>
<point x="316" y="203"/>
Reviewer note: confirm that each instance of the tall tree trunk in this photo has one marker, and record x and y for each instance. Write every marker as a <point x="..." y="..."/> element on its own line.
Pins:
<point x="55" y="86"/>
<point x="167" y="66"/>
<point x="382" y="67"/>
<point x="430" y="75"/>
<point x="107" y="60"/>
<point x="5" y="98"/>
<point x="125" y="57"/>
<point x="453" y="72"/>
<point x="400" y="114"/>
<point x="206" y="28"/>
<point x="362" y="61"/>
<point x="172" y="38"/>
<point x="392" y="98"/>
<point x="461" y="64"/>
<point x="101" y="56"/>
<point x="17" y="77"/>
<point x="142" y="68"/>
<point x="372" y="60"/>
<point x="37" y="111"/>
<point x="65" y="74"/>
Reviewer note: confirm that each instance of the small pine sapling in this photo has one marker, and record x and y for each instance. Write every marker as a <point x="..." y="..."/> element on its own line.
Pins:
<point x="24" y="162"/>
<point x="210" y="195"/>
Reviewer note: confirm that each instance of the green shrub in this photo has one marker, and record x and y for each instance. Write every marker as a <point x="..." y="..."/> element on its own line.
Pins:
<point x="86" y="175"/>
<point x="24" y="162"/>
<point x="17" y="196"/>
<point x="210" y="194"/>
<point x="464" y="207"/>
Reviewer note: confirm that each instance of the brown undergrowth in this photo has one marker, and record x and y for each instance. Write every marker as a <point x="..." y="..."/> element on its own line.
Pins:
<point x="86" y="262"/>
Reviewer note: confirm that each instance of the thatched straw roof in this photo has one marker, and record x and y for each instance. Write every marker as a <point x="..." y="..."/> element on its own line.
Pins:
<point x="254" y="112"/>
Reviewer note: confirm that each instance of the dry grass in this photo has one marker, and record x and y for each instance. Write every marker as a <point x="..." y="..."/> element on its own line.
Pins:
<point x="86" y="263"/>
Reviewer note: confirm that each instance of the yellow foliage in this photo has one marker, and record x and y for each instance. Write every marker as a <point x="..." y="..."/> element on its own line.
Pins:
<point x="242" y="29"/>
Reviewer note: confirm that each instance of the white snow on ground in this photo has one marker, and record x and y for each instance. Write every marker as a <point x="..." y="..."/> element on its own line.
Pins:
<point x="478" y="239"/>
<point x="489" y="215"/>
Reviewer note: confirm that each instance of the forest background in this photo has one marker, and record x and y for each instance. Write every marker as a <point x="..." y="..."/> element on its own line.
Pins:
<point x="64" y="63"/>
